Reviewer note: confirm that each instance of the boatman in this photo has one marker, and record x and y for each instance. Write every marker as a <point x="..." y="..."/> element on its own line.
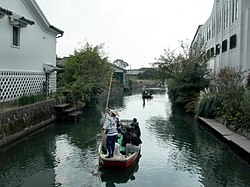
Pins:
<point x="110" y="130"/>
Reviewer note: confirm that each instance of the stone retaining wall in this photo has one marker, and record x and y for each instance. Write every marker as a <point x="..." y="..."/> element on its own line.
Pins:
<point x="237" y="142"/>
<point x="20" y="121"/>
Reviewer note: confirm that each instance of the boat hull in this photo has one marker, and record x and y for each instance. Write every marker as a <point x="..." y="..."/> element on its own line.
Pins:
<point x="147" y="96"/>
<point x="118" y="161"/>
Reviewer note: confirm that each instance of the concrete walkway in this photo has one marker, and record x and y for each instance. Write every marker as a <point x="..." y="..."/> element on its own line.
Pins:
<point x="238" y="143"/>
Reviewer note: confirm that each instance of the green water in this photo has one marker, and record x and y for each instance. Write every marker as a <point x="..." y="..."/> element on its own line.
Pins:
<point x="175" y="152"/>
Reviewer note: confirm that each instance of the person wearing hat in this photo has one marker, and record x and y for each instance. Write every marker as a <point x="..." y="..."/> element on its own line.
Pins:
<point x="110" y="127"/>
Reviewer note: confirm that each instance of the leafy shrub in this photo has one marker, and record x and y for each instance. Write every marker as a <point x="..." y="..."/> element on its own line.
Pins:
<point x="245" y="108"/>
<point x="231" y="91"/>
<point x="207" y="104"/>
<point x="29" y="99"/>
<point x="248" y="80"/>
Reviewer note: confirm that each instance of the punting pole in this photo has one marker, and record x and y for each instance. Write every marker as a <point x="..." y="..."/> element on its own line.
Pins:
<point x="107" y="103"/>
<point x="103" y="142"/>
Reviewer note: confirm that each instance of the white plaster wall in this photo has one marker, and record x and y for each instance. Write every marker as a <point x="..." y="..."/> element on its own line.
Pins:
<point x="238" y="57"/>
<point x="36" y="46"/>
<point x="246" y="39"/>
<point x="224" y="59"/>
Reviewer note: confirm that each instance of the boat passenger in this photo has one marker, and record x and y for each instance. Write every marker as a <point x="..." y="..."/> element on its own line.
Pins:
<point x="119" y="140"/>
<point x="110" y="129"/>
<point x="135" y="127"/>
<point x="117" y="148"/>
<point x="127" y="136"/>
<point x="120" y="128"/>
<point x="145" y="93"/>
<point x="132" y="146"/>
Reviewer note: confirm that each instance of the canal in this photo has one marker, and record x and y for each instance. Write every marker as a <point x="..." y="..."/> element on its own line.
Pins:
<point x="175" y="152"/>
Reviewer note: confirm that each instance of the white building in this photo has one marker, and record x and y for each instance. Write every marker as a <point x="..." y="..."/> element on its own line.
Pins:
<point x="27" y="50"/>
<point x="226" y="35"/>
<point x="134" y="72"/>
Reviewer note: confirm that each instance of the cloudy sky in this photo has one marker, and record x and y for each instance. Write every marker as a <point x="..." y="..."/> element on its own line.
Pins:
<point x="136" y="31"/>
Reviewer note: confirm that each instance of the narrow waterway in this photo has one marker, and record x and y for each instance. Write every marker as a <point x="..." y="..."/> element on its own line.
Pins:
<point x="175" y="152"/>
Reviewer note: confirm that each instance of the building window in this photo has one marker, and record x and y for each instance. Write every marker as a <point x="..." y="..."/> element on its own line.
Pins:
<point x="233" y="10"/>
<point x="208" y="54"/>
<point x="233" y="40"/>
<point x="236" y="9"/>
<point x="225" y="15"/>
<point x="217" y="49"/>
<point x="224" y="46"/>
<point x="212" y="52"/>
<point x="218" y="22"/>
<point x="16" y="36"/>
<point x="209" y="32"/>
<point x="213" y="26"/>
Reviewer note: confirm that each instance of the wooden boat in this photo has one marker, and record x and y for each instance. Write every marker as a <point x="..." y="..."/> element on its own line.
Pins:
<point x="117" y="174"/>
<point x="119" y="160"/>
<point x="147" y="94"/>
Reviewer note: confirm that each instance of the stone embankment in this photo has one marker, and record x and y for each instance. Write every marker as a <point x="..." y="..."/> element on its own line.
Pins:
<point x="237" y="142"/>
<point x="18" y="122"/>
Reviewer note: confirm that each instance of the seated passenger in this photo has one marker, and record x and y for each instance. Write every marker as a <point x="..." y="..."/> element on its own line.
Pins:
<point x="126" y="137"/>
<point x="117" y="148"/>
<point x="119" y="140"/>
<point x="120" y="128"/>
<point x="135" y="127"/>
<point x="133" y="145"/>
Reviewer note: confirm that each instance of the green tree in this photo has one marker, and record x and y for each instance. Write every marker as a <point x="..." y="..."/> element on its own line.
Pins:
<point x="120" y="63"/>
<point x="149" y="73"/>
<point x="86" y="74"/>
<point x="186" y="74"/>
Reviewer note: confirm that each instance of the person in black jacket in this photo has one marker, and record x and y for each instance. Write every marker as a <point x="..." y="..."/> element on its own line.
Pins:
<point x="126" y="137"/>
<point x="135" y="127"/>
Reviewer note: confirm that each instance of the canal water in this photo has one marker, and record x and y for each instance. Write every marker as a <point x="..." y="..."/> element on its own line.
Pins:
<point x="176" y="152"/>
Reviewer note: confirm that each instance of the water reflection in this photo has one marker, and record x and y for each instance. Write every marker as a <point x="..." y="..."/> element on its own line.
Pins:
<point x="144" y="100"/>
<point x="193" y="150"/>
<point x="175" y="152"/>
<point x="76" y="151"/>
<point x="114" y="175"/>
<point x="29" y="161"/>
